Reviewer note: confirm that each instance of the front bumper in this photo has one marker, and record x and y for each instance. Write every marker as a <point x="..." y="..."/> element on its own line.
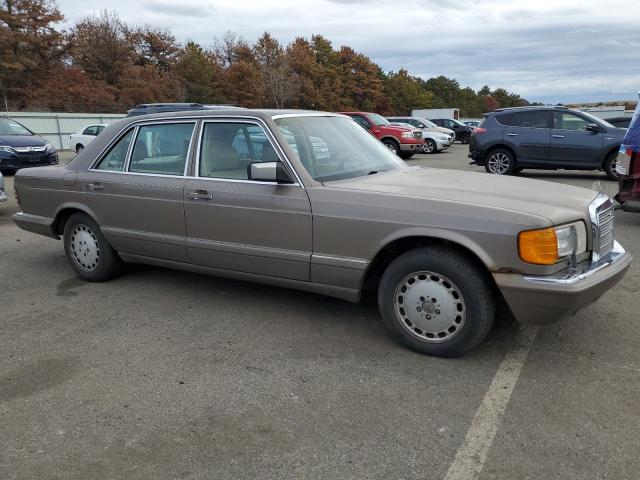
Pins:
<point x="410" y="147"/>
<point x="15" y="161"/>
<point x="547" y="299"/>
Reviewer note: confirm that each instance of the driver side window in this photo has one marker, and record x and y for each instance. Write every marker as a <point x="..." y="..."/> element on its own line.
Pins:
<point x="568" y="121"/>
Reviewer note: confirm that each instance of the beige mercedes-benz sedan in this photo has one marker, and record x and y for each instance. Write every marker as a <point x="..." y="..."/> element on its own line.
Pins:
<point x="310" y="200"/>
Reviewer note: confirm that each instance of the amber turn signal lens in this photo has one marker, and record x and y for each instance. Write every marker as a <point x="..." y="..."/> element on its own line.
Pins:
<point x="538" y="246"/>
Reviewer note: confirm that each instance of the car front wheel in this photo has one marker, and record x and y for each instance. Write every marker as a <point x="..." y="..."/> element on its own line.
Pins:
<point x="465" y="137"/>
<point x="391" y="145"/>
<point x="437" y="301"/>
<point x="610" y="166"/>
<point x="79" y="148"/>
<point x="500" y="162"/>
<point x="430" y="146"/>
<point x="88" y="252"/>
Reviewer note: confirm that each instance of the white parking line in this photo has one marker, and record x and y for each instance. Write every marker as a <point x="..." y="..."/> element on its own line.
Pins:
<point x="471" y="456"/>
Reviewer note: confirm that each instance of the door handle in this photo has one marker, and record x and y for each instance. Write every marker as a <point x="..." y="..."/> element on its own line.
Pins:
<point x="200" y="195"/>
<point x="512" y="134"/>
<point x="557" y="136"/>
<point x="95" y="186"/>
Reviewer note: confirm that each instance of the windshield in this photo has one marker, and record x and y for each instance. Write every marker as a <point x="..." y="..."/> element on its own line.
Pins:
<point x="11" y="127"/>
<point x="428" y="123"/>
<point x="336" y="148"/>
<point x="377" y="119"/>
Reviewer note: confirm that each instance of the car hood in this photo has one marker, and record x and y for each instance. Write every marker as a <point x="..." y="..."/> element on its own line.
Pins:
<point x="556" y="202"/>
<point x="22" y="141"/>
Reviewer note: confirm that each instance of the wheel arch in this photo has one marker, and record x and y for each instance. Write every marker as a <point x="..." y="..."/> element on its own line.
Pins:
<point x="498" y="146"/>
<point x="65" y="211"/>
<point x="392" y="138"/>
<point x="402" y="242"/>
<point x="609" y="152"/>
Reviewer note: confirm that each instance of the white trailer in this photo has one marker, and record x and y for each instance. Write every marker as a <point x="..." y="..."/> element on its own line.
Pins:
<point x="430" y="113"/>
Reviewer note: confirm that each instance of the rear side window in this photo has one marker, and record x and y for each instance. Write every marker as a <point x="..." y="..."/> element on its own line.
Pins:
<point x="92" y="130"/>
<point x="161" y="149"/>
<point x="533" y="119"/>
<point x="115" y="159"/>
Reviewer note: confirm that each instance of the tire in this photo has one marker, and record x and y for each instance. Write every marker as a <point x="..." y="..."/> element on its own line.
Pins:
<point x="89" y="254"/>
<point x="406" y="155"/>
<point x="392" y="145"/>
<point x="500" y="162"/>
<point x="610" y="166"/>
<point x="465" y="137"/>
<point x="430" y="146"/>
<point x="79" y="148"/>
<point x="448" y="326"/>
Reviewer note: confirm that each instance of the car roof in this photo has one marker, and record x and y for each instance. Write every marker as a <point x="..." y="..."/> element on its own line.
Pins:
<point x="529" y="108"/>
<point x="230" y="112"/>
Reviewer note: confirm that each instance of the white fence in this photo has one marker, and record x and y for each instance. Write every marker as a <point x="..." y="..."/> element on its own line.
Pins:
<point x="56" y="127"/>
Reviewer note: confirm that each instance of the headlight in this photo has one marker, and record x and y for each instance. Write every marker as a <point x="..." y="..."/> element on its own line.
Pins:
<point x="550" y="245"/>
<point x="49" y="148"/>
<point x="7" y="149"/>
<point x="406" y="134"/>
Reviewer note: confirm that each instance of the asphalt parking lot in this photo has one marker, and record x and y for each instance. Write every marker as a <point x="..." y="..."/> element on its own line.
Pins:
<point x="163" y="374"/>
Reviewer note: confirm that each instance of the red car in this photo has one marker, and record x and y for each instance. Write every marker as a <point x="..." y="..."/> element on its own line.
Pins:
<point x="402" y="141"/>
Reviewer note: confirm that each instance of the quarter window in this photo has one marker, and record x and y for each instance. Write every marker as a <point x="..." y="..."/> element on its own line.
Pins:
<point x="161" y="149"/>
<point x="227" y="149"/>
<point x="115" y="159"/>
<point x="568" y="121"/>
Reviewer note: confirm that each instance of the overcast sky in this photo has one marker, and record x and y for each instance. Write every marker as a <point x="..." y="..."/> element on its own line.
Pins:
<point x="550" y="51"/>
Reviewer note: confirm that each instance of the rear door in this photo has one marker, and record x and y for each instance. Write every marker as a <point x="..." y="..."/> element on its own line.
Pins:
<point x="528" y="134"/>
<point x="237" y="224"/>
<point x="136" y="190"/>
<point x="572" y="145"/>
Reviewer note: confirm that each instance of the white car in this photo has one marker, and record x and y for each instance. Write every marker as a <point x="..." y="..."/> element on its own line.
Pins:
<point x="3" y="195"/>
<point x="433" y="141"/>
<point x="82" y="138"/>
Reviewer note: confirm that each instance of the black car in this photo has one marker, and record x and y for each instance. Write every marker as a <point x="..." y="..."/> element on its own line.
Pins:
<point x="620" y="122"/>
<point x="549" y="138"/>
<point x="149" y="108"/>
<point x="20" y="147"/>
<point x="462" y="131"/>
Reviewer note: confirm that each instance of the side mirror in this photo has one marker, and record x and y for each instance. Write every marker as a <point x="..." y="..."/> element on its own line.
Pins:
<point x="592" y="127"/>
<point x="268" y="172"/>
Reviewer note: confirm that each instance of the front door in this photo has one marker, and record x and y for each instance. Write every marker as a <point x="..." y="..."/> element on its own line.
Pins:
<point x="136" y="190"/>
<point x="572" y="145"/>
<point x="237" y="224"/>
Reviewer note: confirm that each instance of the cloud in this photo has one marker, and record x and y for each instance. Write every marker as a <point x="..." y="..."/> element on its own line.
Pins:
<point x="546" y="50"/>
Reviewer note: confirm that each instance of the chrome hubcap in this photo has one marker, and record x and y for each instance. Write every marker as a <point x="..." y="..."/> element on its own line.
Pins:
<point x="429" y="147"/>
<point x="430" y="306"/>
<point x="498" y="163"/>
<point x="85" y="248"/>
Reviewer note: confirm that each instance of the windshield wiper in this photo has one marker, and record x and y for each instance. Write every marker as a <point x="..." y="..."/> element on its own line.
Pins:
<point x="373" y="172"/>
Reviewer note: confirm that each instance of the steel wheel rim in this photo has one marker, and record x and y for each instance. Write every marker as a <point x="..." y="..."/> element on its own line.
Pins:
<point x="430" y="307"/>
<point x="85" y="248"/>
<point x="499" y="163"/>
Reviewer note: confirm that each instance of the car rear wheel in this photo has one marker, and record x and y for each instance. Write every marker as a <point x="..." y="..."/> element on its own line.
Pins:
<point x="392" y="145"/>
<point x="430" y="146"/>
<point x="88" y="252"/>
<point x="437" y="301"/>
<point x="610" y="166"/>
<point x="500" y="162"/>
<point x="79" y="148"/>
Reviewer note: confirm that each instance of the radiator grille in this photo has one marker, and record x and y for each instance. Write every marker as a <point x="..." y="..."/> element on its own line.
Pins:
<point x="606" y="228"/>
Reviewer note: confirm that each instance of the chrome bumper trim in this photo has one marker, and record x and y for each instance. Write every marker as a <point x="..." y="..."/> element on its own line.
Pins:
<point x="576" y="274"/>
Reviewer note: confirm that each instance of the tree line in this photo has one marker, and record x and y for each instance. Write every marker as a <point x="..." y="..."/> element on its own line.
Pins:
<point x="103" y="65"/>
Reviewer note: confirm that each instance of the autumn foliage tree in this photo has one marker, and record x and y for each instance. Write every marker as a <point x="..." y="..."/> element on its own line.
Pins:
<point x="104" y="65"/>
